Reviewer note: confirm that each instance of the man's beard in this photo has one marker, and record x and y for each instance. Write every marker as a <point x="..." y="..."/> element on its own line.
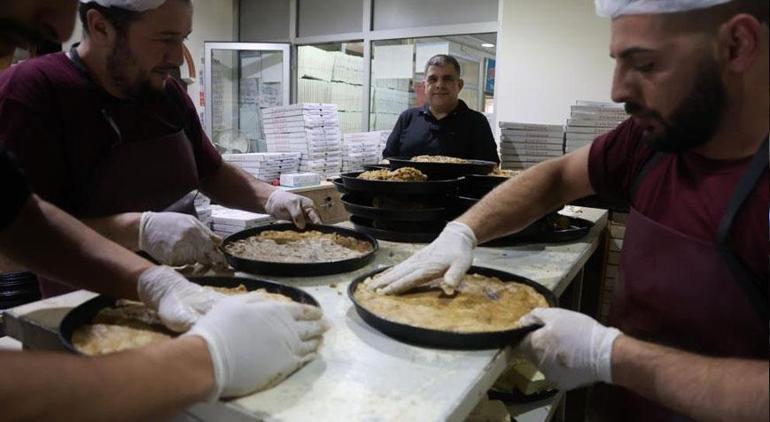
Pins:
<point x="137" y="88"/>
<point x="697" y="117"/>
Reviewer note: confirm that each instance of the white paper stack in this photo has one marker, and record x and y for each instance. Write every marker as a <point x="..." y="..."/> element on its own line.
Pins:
<point x="227" y="221"/>
<point x="266" y="166"/>
<point x="203" y="208"/>
<point x="310" y="129"/>
<point x="315" y="63"/>
<point x="314" y="91"/>
<point x="523" y="145"/>
<point x="589" y="119"/>
<point x="360" y="149"/>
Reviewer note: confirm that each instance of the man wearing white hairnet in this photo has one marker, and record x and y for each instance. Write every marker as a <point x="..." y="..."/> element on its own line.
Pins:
<point x="240" y="345"/>
<point x="691" y="306"/>
<point x="106" y="134"/>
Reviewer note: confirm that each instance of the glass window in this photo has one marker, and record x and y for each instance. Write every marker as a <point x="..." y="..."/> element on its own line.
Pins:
<point x="398" y="68"/>
<point x="333" y="73"/>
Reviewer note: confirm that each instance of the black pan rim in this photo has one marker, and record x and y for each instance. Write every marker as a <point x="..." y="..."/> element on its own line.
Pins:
<point x="391" y="235"/>
<point x="430" y="187"/>
<point x="447" y="340"/>
<point x="391" y="214"/>
<point x="579" y="227"/>
<point x="84" y="313"/>
<point x="300" y="269"/>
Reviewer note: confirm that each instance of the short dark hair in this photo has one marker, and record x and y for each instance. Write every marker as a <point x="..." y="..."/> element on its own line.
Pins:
<point x="443" y="60"/>
<point x="119" y="18"/>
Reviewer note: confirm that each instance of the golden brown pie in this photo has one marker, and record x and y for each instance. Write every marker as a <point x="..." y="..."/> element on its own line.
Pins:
<point x="481" y="304"/>
<point x="130" y="325"/>
<point x="439" y="159"/>
<point x="299" y="247"/>
<point x="403" y="174"/>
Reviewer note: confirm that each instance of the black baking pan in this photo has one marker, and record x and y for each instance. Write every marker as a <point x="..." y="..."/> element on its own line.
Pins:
<point x="339" y="185"/>
<point x="444" y="170"/>
<point x="405" y="236"/>
<point x="445" y="339"/>
<point x="430" y="187"/>
<point x="370" y="167"/>
<point x="86" y="311"/>
<point x="298" y="269"/>
<point x="361" y="206"/>
<point x="476" y="185"/>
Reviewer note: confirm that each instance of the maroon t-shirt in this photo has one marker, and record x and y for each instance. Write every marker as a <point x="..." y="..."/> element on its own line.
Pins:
<point x="55" y="121"/>
<point x="685" y="192"/>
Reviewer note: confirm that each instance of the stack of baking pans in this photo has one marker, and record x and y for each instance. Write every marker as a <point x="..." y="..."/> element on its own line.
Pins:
<point x="398" y="211"/>
<point x="17" y="289"/>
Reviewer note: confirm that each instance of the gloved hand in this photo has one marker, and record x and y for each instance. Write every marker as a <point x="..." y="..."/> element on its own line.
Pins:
<point x="179" y="302"/>
<point x="256" y="343"/>
<point x="572" y="349"/>
<point x="295" y="208"/>
<point x="451" y="254"/>
<point x="178" y="239"/>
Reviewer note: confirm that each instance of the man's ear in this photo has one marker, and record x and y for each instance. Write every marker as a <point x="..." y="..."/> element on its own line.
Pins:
<point x="100" y="30"/>
<point x="739" y="42"/>
<point x="461" y="84"/>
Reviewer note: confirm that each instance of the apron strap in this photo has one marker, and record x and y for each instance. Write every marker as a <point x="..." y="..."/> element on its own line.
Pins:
<point x="751" y="284"/>
<point x="648" y="165"/>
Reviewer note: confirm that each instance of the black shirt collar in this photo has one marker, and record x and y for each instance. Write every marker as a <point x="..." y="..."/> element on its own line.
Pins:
<point x="460" y="109"/>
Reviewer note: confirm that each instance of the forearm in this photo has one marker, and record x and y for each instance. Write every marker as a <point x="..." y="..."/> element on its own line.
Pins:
<point x="55" y="245"/>
<point x="152" y="383"/>
<point x="234" y="188"/>
<point x="700" y="387"/>
<point x="122" y="229"/>
<point x="525" y="198"/>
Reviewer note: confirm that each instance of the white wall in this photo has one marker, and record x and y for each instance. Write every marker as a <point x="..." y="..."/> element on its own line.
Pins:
<point x="549" y="54"/>
<point x="213" y="20"/>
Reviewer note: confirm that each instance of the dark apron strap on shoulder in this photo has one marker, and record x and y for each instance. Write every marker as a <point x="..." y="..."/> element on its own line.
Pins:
<point x="756" y="293"/>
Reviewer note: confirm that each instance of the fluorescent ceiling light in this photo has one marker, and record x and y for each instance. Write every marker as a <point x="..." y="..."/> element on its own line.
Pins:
<point x="487" y="45"/>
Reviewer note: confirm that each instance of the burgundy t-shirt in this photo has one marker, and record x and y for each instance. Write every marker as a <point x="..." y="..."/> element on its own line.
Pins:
<point x="685" y="192"/>
<point x="53" y="120"/>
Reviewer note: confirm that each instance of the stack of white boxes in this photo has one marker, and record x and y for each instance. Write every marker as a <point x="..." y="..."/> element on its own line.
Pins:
<point x="226" y="221"/>
<point x="265" y="166"/>
<point x="523" y="145"/>
<point x="588" y="120"/>
<point x="360" y="149"/>
<point x="311" y="129"/>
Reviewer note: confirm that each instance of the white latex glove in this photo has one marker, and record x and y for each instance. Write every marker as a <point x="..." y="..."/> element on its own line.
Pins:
<point x="256" y="343"/>
<point x="179" y="302"/>
<point x="450" y="255"/>
<point x="178" y="239"/>
<point x="572" y="349"/>
<point x="295" y="208"/>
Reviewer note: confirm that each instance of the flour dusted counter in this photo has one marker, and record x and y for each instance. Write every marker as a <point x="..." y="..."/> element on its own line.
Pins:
<point x="360" y="373"/>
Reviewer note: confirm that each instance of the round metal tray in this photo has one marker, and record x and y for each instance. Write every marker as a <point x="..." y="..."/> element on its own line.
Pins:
<point x="360" y="206"/>
<point x="367" y="226"/>
<point x="445" y="339"/>
<point x="86" y="311"/>
<point x="445" y="170"/>
<point x="431" y="187"/>
<point x="298" y="269"/>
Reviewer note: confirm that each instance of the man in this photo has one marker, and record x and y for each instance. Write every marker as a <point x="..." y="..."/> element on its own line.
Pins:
<point x="243" y="344"/>
<point x="444" y="125"/>
<point x="691" y="301"/>
<point x="104" y="133"/>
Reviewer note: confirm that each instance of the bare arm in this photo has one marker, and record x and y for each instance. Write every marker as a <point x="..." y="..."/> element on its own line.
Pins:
<point x="234" y="188"/>
<point x="703" y="388"/>
<point x="151" y="383"/>
<point x="122" y="229"/>
<point x="537" y="191"/>
<point x="50" y="242"/>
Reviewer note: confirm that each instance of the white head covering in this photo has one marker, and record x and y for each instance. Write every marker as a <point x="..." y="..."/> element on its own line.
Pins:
<point x="614" y="8"/>
<point x="134" y="5"/>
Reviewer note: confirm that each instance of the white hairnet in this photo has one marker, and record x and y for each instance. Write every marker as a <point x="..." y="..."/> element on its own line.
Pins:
<point x="135" y="5"/>
<point x="614" y="8"/>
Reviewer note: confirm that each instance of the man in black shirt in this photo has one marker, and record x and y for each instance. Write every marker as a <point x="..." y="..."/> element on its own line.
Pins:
<point x="444" y="125"/>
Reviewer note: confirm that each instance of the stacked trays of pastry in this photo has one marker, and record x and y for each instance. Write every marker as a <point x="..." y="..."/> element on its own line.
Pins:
<point x="399" y="211"/>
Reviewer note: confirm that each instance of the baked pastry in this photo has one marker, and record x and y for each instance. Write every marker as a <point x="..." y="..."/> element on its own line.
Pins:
<point x="439" y="159"/>
<point x="481" y="304"/>
<point x="403" y="174"/>
<point x="298" y="247"/>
